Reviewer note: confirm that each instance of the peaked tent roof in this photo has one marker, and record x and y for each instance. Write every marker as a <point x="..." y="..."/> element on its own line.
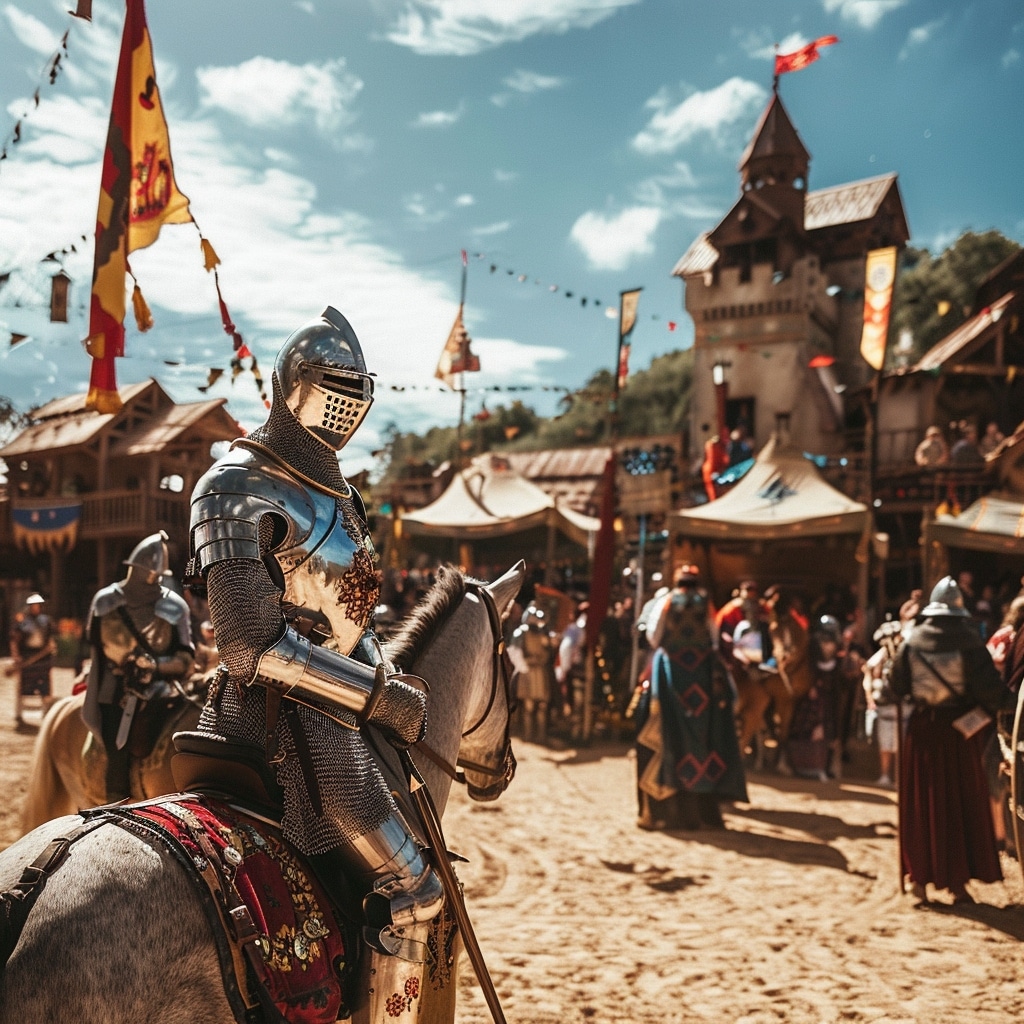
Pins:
<point x="489" y="499"/>
<point x="781" y="497"/>
<point x="994" y="522"/>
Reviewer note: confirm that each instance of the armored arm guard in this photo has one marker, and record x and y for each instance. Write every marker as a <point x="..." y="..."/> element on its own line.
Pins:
<point x="370" y="692"/>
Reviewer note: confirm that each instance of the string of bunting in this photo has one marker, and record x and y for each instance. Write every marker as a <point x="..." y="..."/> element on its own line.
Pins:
<point x="51" y="70"/>
<point x="554" y="289"/>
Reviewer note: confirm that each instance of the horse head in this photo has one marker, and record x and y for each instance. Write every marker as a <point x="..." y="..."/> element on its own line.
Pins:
<point x="456" y="634"/>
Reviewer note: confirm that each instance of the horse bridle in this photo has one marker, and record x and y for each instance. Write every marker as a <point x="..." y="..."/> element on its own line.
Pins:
<point x="502" y="676"/>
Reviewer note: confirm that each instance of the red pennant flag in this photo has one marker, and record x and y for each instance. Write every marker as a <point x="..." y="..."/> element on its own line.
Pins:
<point x="138" y="195"/>
<point x="799" y="59"/>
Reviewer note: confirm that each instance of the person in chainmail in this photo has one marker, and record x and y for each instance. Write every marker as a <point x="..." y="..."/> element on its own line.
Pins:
<point x="140" y="640"/>
<point x="280" y="542"/>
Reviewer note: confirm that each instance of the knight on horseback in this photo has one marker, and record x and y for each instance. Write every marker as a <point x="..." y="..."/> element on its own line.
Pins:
<point x="280" y="542"/>
<point x="140" y="637"/>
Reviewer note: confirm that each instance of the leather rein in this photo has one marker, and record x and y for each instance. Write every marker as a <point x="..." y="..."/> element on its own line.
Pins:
<point x="501" y="679"/>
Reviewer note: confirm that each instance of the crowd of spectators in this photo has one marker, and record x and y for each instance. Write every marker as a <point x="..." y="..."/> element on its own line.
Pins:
<point x="963" y="448"/>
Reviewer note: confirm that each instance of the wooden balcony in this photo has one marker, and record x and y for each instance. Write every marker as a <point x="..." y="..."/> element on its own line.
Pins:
<point x="122" y="512"/>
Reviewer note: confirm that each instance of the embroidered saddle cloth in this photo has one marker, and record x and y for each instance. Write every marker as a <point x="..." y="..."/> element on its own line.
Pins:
<point x="281" y="945"/>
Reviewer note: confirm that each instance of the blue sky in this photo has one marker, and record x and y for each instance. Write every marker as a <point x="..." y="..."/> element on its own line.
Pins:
<point x="345" y="151"/>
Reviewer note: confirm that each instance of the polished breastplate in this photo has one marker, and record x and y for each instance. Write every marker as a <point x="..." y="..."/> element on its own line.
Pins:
<point x="118" y="641"/>
<point x="326" y="559"/>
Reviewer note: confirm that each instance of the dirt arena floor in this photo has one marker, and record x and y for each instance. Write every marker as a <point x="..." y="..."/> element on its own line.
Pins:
<point x="792" y="914"/>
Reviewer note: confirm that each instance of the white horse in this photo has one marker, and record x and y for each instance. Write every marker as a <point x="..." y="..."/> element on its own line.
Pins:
<point x="118" y="935"/>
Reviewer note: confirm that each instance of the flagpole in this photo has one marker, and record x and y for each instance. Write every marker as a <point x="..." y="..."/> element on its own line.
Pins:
<point x="462" y="374"/>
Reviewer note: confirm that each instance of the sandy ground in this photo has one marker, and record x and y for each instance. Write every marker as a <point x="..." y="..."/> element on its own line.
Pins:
<point x="791" y="914"/>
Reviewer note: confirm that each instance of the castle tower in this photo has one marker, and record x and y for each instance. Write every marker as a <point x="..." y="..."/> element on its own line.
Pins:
<point x="777" y="286"/>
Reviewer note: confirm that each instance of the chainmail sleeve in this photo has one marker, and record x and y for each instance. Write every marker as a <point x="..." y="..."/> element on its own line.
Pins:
<point x="245" y="609"/>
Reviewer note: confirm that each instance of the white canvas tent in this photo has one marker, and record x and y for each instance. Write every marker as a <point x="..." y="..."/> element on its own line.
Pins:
<point x="994" y="523"/>
<point x="781" y="497"/>
<point x="488" y="500"/>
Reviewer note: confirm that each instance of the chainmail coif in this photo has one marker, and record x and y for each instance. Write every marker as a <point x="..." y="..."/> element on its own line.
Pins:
<point x="287" y="438"/>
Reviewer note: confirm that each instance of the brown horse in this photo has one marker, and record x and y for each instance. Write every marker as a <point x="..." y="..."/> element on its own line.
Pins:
<point x="69" y="766"/>
<point x="758" y="690"/>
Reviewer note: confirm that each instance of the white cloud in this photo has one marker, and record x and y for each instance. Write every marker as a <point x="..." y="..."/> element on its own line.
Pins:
<point x="306" y="5"/>
<point x="532" y="81"/>
<point x="438" y="118"/>
<point x="464" y="200"/>
<point x="760" y="45"/>
<point x="493" y="229"/>
<point x="465" y="27"/>
<point x="662" y="191"/>
<point x="1012" y="56"/>
<point x="505" y="177"/>
<point x="270" y="93"/>
<point x="920" y="35"/>
<point x="609" y="243"/>
<point x="865" y="13"/>
<point x="526" y="82"/>
<point x="30" y="31"/>
<point x="710" y="112"/>
<point x="423" y="212"/>
<point x="284" y="258"/>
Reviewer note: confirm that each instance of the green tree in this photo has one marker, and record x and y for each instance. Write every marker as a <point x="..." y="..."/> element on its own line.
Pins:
<point x="933" y="296"/>
<point x="11" y="420"/>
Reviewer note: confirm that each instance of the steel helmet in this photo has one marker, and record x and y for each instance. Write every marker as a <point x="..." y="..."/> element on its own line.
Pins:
<point x="323" y="379"/>
<point x="151" y="557"/>
<point x="828" y="628"/>
<point x="946" y="599"/>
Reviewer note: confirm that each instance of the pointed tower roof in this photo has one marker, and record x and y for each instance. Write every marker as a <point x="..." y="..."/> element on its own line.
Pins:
<point x="775" y="141"/>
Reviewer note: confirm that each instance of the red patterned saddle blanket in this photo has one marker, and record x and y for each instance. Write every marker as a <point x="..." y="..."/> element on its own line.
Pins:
<point x="282" y="947"/>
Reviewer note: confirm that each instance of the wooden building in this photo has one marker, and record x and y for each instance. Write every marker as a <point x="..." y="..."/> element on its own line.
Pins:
<point x="84" y="487"/>
<point x="779" y="283"/>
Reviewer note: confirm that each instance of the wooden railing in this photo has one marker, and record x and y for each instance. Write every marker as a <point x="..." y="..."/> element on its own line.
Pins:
<point x="110" y="513"/>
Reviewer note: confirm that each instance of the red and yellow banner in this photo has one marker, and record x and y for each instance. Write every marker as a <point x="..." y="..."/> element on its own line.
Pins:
<point x="799" y="59"/>
<point x="138" y="195"/>
<point x="879" y="278"/>
<point x="456" y="356"/>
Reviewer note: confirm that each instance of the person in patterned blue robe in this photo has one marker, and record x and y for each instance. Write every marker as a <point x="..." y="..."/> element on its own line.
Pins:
<point x="688" y="752"/>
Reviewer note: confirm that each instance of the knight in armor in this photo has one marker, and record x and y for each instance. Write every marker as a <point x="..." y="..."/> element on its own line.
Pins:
<point x="946" y="823"/>
<point x="535" y="683"/>
<point x="280" y="540"/>
<point x="139" y="634"/>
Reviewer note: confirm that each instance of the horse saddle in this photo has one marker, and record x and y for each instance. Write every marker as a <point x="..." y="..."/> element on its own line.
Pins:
<point x="286" y="956"/>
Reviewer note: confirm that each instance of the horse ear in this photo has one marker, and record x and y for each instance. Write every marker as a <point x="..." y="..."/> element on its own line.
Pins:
<point x="505" y="588"/>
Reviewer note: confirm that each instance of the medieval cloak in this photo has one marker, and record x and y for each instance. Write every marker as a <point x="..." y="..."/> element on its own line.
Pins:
<point x="945" y="816"/>
<point x="691" y="710"/>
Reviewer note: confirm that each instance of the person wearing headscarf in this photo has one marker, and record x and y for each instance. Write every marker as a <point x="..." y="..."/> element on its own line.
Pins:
<point x="694" y="761"/>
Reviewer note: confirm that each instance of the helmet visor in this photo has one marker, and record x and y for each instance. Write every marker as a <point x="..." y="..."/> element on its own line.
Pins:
<point x="331" y="401"/>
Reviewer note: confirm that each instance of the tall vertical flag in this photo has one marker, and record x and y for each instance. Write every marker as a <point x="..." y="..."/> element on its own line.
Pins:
<point x="879" y="278"/>
<point x="456" y="356"/>
<point x="138" y="195"/>
<point x="799" y="59"/>
<point x="628" y="302"/>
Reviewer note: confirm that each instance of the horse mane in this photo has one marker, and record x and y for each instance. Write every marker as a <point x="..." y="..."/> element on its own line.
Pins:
<point x="427" y="617"/>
